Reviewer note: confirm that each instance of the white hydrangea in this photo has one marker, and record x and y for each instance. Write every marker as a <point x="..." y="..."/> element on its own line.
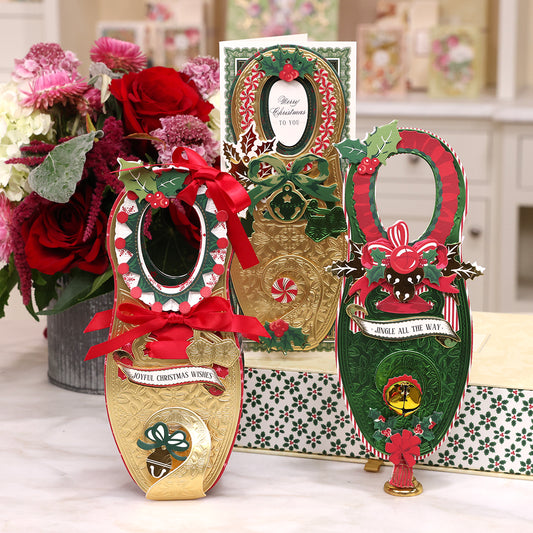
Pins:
<point x="18" y="126"/>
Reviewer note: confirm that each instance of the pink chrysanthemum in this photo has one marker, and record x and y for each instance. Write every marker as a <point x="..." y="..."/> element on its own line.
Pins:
<point x="119" y="56"/>
<point x="205" y="72"/>
<point x="54" y="88"/>
<point x="185" y="130"/>
<point x="43" y="58"/>
<point x="6" y="215"/>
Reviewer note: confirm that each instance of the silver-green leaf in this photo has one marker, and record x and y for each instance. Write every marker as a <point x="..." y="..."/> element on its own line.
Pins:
<point x="57" y="176"/>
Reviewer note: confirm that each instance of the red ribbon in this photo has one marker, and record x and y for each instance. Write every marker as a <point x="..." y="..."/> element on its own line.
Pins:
<point x="227" y="194"/>
<point x="172" y="330"/>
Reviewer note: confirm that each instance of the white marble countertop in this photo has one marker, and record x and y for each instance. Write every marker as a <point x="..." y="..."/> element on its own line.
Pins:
<point x="62" y="473"/>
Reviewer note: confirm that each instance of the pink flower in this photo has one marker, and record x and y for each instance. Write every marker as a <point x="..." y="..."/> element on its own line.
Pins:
<point x="90" y="103"/>
<point x="119" y="56"/>
<point x="6" y="215"/>
<point x="205" y="72"/>
<point x="184" y="130"/>
<point x="57" y="87"/>
<point x="44" y="58"/>
<point x="403" y="447"/>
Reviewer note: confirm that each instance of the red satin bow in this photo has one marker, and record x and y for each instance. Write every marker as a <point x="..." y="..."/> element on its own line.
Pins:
<point x="173" y="330"/>
<point x="227" y="194"/>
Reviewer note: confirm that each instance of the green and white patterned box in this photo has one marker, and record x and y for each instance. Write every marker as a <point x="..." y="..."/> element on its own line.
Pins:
<point x="294" y="403"/>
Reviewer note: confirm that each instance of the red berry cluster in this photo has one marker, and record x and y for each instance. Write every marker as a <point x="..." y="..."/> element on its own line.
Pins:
<point x="279" y="327"/>
<point x="368" y="166"/>
<point x="157" y="200"/>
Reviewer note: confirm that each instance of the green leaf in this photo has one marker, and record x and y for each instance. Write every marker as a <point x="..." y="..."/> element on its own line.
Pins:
<point x="170" y="182"/>
<point x="382" y="142"/>
<point x="378" y="255"/>
<point x="81" y="286"/>
<point x="45" y="289"/>
<point x="8" y="279"/>
<point x="293" y="337"/>
<point x="353" y="151"/>
<point x="375" y="273"/>
<point x="57" y="176"/>
<point x="430" y="255"/>
<point x="137" y="178"/>
<point x="373" y="413"/>
<point x="432" y="273"/>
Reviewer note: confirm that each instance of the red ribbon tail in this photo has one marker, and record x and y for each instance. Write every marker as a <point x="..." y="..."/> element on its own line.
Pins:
<point x="101" y="320"/>
<point x="240" y="243"/>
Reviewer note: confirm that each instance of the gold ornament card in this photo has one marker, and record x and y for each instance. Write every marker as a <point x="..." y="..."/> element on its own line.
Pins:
<point x="285" y="107"/>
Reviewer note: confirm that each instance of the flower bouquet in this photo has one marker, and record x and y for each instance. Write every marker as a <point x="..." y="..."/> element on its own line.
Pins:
<point x="61" y="136"/>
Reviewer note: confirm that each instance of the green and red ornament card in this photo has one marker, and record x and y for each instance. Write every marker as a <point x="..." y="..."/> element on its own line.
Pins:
<point x="404" y="331"/>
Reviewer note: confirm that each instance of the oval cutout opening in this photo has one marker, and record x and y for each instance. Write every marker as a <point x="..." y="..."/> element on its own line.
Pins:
<point x="405" y="190"/>
<point x="286" y="112"/>
<point x="170" y="242"/>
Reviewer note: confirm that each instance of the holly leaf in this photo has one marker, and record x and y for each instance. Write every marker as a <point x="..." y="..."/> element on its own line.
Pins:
<point x="353" y="151"/>
<point x="373" y="413"/>
<point x="348" y="269"/>
<point x="170" y="182"/>
<point x="375" y="273"/>
<point x="432" y="273"/>
<point x="57" y="176"/>
<point x="378" y="255"/>
<point x="247" y="141"/>
<point x="230" y="152"/>
<point x="467" y="270"/>
<point x="382" y="142"/>
<point x="137" y="178"/>
<point x="430" y="256"/>
<point x="293" y="337"/>
<point x="267" y="146"/>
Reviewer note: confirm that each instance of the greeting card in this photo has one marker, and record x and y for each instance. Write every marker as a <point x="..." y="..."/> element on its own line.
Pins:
<point x="457" y="61"/>
<point x="285" y="107"/>
<point x="173" y="379"/>
<point x="404" y="332"/>
<point x="265" y="18"/>
<point x="382" y="64"/>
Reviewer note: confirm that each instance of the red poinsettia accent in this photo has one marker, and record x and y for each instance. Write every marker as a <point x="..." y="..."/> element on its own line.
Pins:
<point x="403" y="448"/>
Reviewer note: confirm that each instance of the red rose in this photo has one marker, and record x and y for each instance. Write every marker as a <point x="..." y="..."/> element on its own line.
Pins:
<point x="54" y="237"/>
<point x="155" y="93"/>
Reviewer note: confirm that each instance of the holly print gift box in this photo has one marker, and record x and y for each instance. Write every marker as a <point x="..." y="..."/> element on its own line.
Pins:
<point x="294" y="403"/>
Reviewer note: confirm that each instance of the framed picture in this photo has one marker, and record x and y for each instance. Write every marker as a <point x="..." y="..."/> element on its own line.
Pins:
<point x="132" y="32"/>
<point x="382" y="66"/>
<point x="266" y="18"/>
<point x="457" y="61"/>
<point x="173" y="44"/>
